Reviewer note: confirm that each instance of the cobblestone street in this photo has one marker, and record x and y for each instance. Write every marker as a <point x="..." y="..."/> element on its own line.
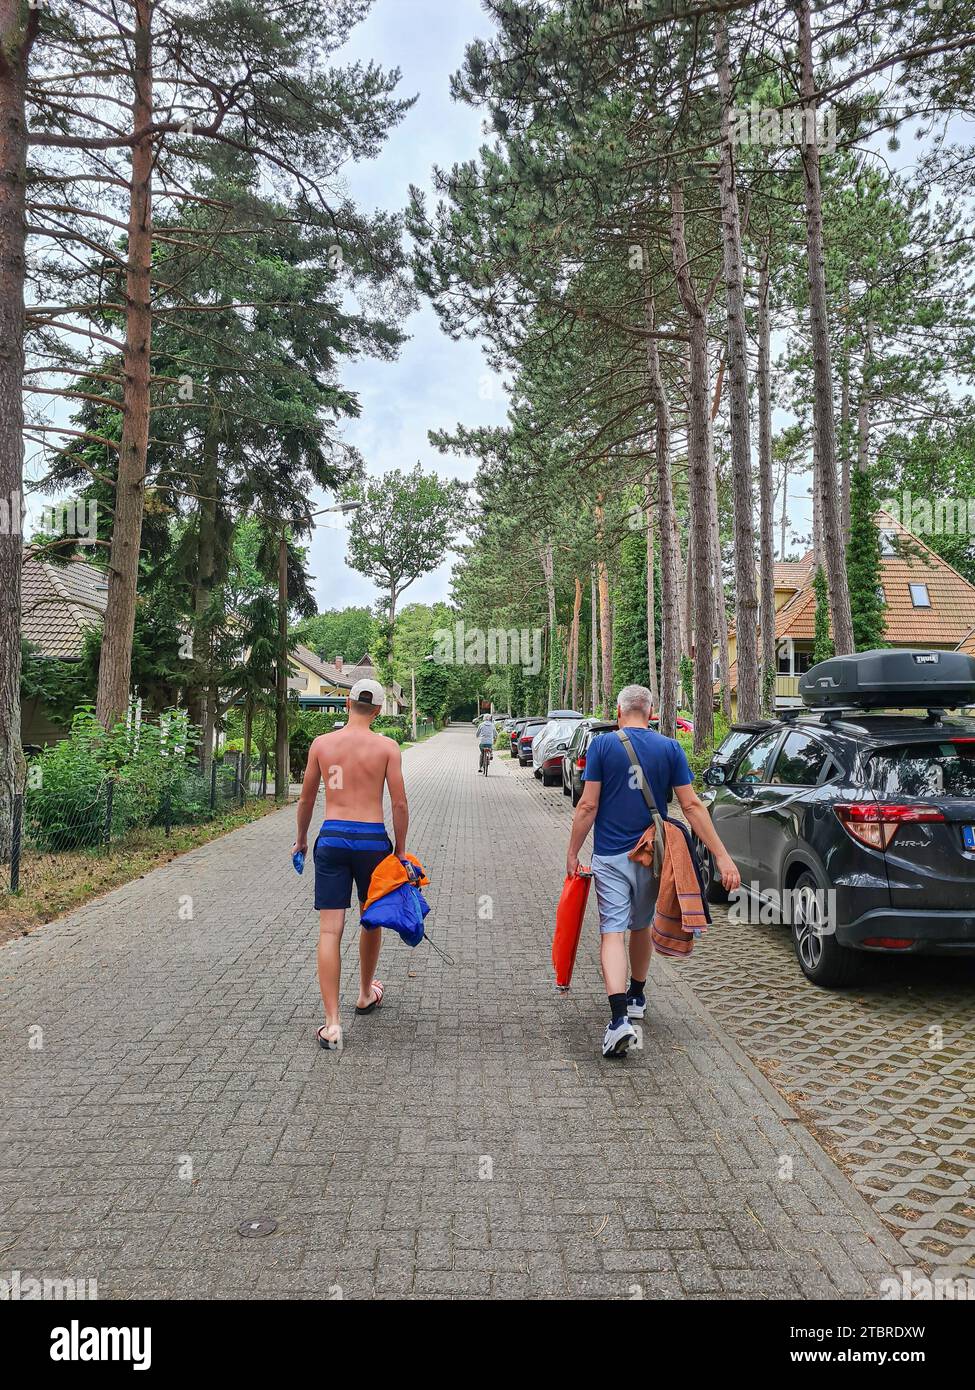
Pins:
<point x="162" y="1086"/>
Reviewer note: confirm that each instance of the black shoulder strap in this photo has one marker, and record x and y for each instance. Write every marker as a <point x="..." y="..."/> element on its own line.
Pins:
<point x="637" y="767"/>
<point x="655" y="816"/>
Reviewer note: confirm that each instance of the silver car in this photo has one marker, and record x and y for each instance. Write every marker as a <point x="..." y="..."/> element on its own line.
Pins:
<point x="548" y="746"/>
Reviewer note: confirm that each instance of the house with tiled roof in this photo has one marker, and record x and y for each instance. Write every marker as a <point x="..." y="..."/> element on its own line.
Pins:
<point x="60" y="605"/>
<point x="926" y="602"/>
<point x="321" y="684"/>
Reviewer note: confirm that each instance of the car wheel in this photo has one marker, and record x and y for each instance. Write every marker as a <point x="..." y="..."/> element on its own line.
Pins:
<point x="548" y="780"/>
<point x="576" y="796"/>
<point x="714" y="889"/>
<point x="821" y="958"/>
<point x="566" y="791"/>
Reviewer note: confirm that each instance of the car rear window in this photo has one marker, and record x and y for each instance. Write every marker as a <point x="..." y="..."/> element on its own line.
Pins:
<point x="925" y="769"/>
<point x="733" y="743"/>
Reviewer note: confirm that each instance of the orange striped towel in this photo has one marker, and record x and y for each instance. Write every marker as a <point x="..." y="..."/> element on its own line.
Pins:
<point x="681" y="909"/>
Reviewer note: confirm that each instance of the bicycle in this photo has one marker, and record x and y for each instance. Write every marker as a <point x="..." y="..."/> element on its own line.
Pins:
<point x="485" y="763"/>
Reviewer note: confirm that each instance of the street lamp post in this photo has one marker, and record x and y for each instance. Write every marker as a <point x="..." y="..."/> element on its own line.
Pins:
<point x="282" y="772"/>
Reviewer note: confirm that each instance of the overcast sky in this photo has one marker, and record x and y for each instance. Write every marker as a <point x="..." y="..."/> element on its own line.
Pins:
<point x="435" y="382"/>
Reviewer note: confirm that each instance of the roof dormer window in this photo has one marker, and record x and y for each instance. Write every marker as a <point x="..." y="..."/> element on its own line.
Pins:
<point x="920" y="596"/>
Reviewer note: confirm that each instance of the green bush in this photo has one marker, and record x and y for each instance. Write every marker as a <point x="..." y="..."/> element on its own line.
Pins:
<point x="153" y="773"/>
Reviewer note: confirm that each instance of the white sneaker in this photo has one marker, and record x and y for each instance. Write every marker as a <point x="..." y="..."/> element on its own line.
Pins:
<point x="636" y="1007"/>
<point x="619" y="1038"/>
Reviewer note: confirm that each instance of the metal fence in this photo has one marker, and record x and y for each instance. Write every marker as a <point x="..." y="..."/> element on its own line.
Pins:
<point x="67" y="829"/>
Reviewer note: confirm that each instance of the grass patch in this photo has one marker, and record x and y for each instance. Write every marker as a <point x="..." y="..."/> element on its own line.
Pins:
<point x="59" y="883"/>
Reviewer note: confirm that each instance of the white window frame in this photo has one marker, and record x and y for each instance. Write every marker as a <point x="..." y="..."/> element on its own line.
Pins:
<point x="919" y="584"/>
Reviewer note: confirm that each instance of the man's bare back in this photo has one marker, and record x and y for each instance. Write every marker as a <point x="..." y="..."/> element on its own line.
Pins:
<point x="353" y="764"/>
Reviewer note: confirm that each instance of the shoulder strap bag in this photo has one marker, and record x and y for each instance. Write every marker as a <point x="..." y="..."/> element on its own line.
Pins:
<point x="649" y="849"/>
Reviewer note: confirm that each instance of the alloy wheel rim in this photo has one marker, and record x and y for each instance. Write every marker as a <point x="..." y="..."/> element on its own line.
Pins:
<point x="809" y="938"/>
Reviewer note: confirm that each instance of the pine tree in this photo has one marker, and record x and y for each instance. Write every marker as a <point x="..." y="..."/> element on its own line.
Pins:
<point x="863" y="565"/>
<point x="822" y="640"/>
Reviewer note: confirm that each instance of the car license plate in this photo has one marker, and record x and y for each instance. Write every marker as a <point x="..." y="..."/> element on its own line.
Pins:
<point x="968" y="836"/>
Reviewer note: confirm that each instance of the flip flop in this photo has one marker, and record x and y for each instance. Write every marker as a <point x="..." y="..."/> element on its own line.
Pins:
<point x="330" y="1044"/>
<point x="377" y="986"/>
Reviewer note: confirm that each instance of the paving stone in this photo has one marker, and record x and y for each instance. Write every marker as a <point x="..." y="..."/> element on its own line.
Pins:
<point x="470" y="1141"/>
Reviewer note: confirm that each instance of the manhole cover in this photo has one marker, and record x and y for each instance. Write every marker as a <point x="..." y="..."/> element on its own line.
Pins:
<point x="263" y="1226"/>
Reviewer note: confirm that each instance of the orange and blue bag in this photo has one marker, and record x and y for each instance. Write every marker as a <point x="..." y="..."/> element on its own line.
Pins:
<point x="395" y="900"/>
<point x="568" y="925"/>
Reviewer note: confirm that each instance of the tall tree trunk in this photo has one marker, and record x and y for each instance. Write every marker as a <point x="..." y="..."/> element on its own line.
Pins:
<point x="605" y="618"/>
<point x="594" y="639"/>
<point x="115" y="666"/>
<point x="547" y="559"/>
<point x="784" y="521"/>
<point x="834" y="555"/>
<point x="817" y="501"/>
<point x="720" y="609"/>
<point x="687" y="599"/>
<point x="766" y="500"/>
<point x="699" y="481"/>
<point x="282" y="774"/>
<point x="746" y="599"/>
<point x="651" y="602"/>
<point x="18" y="28"/>
<point x="670" y="579"/>
<point x="574" y="645"/>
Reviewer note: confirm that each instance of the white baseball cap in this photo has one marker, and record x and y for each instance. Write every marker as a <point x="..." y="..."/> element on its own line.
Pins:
<point x="366" y="692"/>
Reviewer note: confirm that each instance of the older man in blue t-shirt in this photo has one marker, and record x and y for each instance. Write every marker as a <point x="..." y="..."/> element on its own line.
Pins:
<point x="626" y="891"/>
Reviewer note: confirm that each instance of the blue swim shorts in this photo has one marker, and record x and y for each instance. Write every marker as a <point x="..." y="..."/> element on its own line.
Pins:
<point x="626" y="893"/>
<point x="347" y="850"/>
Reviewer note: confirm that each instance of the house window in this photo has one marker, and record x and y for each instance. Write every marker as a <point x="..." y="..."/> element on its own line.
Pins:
<point x="920" y="596"/>
<point x="882" y="595"/>
<point x="888" y="542"/>
<point x="801" y="662"/>
<point x="784" y="664"/>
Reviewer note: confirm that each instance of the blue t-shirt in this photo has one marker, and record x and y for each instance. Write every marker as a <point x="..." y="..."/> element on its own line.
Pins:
<point x="623" y="815"/>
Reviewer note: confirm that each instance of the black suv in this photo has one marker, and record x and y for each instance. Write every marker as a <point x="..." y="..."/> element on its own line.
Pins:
<point x="878" y="808"/>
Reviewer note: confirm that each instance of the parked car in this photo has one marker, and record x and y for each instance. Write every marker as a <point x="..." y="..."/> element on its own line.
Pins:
<point x="526" y="737"/>
<point x="855" y="827"/>
<point x="684" y="725"/>
<point x="514" y="734"/>
<point x="574" y="758"/>
<point x="549" y="745"/>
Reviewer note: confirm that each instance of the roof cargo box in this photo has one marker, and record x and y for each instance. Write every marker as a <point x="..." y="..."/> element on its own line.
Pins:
<point x="891" y="679"/>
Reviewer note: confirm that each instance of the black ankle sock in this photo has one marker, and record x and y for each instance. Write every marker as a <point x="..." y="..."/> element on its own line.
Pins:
<point x="617" y="1002"/>
<point x="637" y="986"/>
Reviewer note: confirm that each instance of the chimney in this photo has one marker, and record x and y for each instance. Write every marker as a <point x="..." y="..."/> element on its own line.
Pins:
<point x="337" y="663"/>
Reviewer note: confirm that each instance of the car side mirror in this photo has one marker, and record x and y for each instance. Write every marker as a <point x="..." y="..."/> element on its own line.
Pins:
<point x="714" y="777"/>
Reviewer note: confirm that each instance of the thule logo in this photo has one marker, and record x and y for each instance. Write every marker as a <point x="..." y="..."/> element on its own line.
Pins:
<point x="926" y="659"/>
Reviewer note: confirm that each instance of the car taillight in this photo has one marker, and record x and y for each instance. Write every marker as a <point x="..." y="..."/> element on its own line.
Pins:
<point x="875" y="823"/>
<point x="581" y="764"/>
<point x="890" y="943"/>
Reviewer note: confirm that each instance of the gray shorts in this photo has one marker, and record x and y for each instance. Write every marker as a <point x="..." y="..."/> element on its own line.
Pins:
<point x="626" y="893"/>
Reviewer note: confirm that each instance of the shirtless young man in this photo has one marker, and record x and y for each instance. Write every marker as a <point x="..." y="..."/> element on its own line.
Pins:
<point x="356" y="764"/>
